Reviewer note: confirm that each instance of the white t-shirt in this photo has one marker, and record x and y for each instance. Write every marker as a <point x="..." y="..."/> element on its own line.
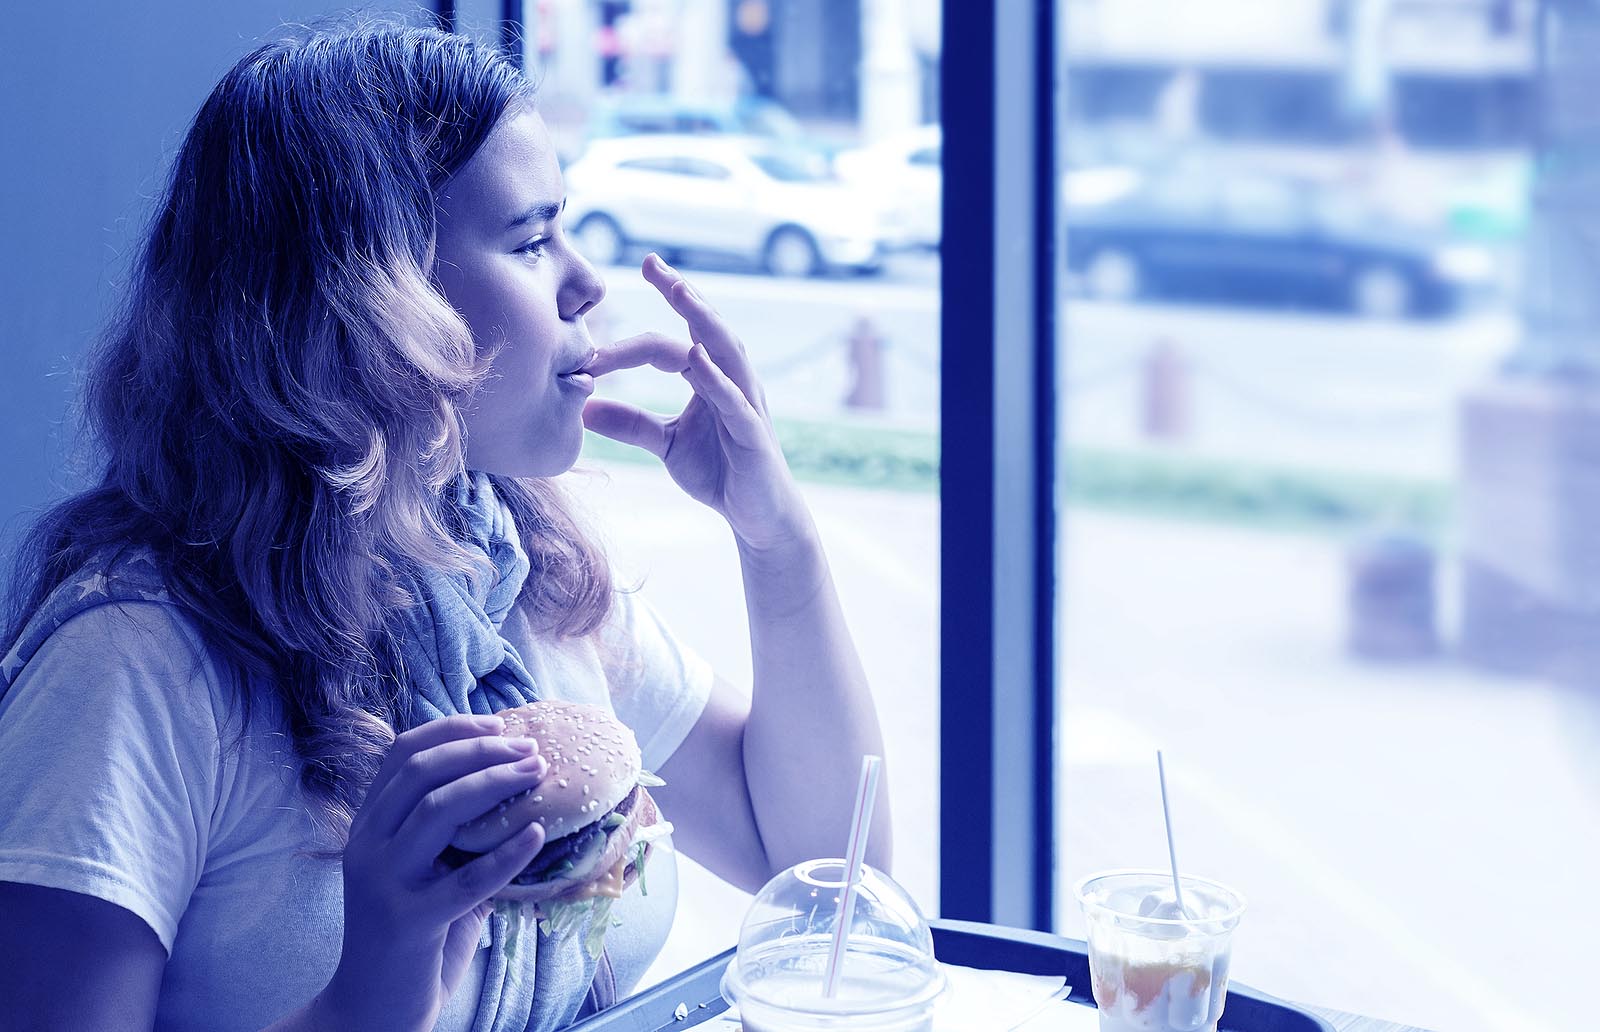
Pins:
<point x="116" y="781"/>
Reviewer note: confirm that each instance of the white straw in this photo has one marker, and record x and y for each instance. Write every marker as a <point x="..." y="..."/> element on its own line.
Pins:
<point x="860" y="825"/>
<point x="1172" y="850"/>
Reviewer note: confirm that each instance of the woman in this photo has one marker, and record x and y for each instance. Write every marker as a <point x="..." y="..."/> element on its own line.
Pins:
<point x="248" y="677"/>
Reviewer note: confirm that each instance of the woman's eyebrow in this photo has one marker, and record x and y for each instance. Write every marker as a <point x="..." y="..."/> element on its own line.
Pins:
<point x="542" y="212"/>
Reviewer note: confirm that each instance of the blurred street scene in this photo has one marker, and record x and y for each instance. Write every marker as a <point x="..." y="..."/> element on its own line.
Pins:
<point x="1303" y="253"/>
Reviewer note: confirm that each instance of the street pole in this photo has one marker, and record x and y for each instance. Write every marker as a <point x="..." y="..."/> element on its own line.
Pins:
<point x="890" y="96"/>
<point x="1530" y="437"/>
<point x="701" y="67"/>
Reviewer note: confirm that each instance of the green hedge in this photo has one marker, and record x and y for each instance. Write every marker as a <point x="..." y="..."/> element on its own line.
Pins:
<point x="1229" y="492"/>
<point x="1153" y="484"/>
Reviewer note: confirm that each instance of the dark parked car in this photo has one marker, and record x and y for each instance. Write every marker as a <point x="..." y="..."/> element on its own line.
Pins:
<point x="1267" y="241"/>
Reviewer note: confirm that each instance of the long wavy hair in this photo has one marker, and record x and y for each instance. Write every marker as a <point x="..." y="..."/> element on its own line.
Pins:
<point x="276" y="403"/>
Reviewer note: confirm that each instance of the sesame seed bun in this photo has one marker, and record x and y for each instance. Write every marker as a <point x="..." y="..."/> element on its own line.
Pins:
<point x="594" y="764"/>
<point x="593" y="775"/>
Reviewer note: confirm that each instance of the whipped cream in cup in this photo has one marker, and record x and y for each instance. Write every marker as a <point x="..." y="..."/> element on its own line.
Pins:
<point x="1154" y="968"/>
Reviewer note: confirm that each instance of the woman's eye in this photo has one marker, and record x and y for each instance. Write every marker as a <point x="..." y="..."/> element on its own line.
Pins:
<point x="534" y="247"/>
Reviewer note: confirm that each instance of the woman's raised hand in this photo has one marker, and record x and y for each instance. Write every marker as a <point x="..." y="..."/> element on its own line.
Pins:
<point x="721" y="449"/>
<point x="411" y="925"/>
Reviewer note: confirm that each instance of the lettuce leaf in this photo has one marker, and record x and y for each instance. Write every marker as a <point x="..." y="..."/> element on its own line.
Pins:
<point x="565" y="918"/>
<point x="515" y="913"/>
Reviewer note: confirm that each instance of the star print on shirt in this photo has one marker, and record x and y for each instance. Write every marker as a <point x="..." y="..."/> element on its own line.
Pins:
<point x="11" y="664"/>
<point x="94" y="584"/>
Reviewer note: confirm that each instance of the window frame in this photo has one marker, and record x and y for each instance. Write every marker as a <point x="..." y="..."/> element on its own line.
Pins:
<point x="998" y="282"/>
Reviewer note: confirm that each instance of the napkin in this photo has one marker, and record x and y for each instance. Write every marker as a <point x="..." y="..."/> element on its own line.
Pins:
<point x="980" y="999"/>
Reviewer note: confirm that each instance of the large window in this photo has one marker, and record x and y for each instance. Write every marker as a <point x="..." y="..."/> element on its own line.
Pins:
<point x="1328" y="524"/>
<point x="778" y="153"/>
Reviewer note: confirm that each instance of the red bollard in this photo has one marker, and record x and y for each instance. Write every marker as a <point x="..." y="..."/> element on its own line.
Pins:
<point x="1166" y="411"/>
<point x="867" y="388"/>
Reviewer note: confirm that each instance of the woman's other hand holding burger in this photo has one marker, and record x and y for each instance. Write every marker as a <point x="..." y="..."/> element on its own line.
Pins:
<point x="411" y="925"/>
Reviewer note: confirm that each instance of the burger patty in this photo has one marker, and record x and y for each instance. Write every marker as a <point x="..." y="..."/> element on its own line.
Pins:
<point x="564" y="854"/>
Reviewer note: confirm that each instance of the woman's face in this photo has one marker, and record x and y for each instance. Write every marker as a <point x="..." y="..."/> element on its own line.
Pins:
<point x="503" y="262"/>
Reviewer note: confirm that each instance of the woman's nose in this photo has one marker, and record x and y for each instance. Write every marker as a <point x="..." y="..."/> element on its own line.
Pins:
<point x="582" y="290"/>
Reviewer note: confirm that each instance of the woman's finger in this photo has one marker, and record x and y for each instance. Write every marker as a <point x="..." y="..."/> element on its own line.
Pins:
<point x="422" y="772"/>
<point x="426" y="736"/>
<point x="743" y="423"/>
<point x="456" y="893"/>
<point x="629" y="424"/>
<point x="656" y="349"/>
<point x="705" y="324"/>
<point x="435" y="820"/>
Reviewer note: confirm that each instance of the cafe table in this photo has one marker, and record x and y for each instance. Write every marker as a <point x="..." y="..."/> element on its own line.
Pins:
<point x="693" y="996"/>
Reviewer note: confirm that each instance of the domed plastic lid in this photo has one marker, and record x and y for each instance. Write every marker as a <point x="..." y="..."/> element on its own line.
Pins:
<point x="782" y="960"/>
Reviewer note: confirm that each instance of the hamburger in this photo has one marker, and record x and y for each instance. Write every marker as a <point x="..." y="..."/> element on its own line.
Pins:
<point x="595" y="806"/>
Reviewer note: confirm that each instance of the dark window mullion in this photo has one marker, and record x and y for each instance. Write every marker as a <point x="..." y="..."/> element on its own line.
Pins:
<point x="997" y="466"/>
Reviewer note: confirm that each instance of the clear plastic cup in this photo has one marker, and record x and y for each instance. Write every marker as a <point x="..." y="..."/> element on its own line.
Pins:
<point x="889" y="980"/>
<point x="1152" y="968"/>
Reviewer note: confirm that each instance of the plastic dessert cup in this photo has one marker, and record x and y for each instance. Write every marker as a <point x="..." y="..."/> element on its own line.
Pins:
<point x="889" y="979"/>
<point x="1152" y="968"/>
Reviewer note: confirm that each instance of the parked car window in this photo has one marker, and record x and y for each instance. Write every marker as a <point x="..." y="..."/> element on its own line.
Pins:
<point x="699" y="168"/>
<point x="792" y="168"/>
<point x="650" y="164"/>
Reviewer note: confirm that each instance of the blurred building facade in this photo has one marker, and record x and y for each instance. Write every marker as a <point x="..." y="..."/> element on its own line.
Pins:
<point x="1433" y="74"/>
<point x="873" y="62"/>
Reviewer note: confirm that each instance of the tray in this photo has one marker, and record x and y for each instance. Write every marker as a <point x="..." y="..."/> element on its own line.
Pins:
<point x="967" y="943"/>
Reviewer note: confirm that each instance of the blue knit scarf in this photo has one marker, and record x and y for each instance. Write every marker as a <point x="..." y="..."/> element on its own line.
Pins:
<point x="457" y="662"/>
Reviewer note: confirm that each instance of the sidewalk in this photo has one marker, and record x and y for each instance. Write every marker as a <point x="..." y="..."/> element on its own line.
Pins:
<point x="1378" y="818"/>
<point x="1412" y="838"/>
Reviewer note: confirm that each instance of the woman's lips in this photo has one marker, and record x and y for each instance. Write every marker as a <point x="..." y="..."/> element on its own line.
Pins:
<point x="579" y="378"/>
<point x="578" y="381"/>
<point x="588" y="360"/>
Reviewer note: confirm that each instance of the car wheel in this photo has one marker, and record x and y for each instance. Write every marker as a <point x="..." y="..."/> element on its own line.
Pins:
<point x="1380" y="292"/>
<point x="791" y="252"/>
<point x="600" y="240"/>
<point x="1113" y="275"/>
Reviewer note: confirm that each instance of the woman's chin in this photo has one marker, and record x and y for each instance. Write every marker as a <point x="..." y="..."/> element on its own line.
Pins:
<point x="552" y="458"/>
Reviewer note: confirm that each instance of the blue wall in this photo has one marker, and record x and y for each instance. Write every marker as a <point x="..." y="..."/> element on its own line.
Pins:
<point x="93" y="104"/>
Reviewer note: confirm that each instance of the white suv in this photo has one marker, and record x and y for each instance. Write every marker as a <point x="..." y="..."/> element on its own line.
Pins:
<point x="726" y="195"/>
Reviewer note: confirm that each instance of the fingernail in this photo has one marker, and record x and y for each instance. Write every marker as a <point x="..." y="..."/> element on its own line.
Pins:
<point x="491" y="723"/>
<point x="530" y="765"/>
<point x="526" y="745"/>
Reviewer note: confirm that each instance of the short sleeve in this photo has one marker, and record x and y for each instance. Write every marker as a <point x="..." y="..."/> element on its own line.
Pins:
<point x="109" y="762"/>
<point x="659" y="686"/>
